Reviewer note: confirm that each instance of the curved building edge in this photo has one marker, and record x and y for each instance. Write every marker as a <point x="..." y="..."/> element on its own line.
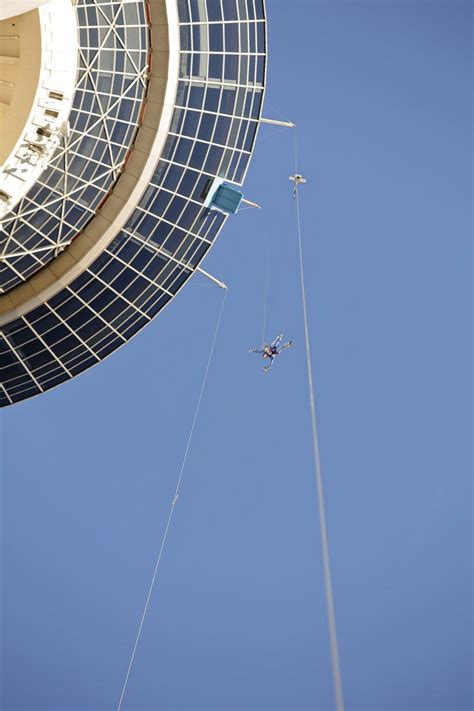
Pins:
<point x="147" y="251"/>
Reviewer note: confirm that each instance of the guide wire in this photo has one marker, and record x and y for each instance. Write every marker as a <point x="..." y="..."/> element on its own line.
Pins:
<point x="272" y="133"/>
<point x="265" y="300"/>
<point x="172" y="507"/>
<point x="336" y="670"/>
<point x="268" y="276"/>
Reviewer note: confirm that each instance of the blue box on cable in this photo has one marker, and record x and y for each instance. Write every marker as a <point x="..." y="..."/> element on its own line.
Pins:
<point x="223" y="197"/>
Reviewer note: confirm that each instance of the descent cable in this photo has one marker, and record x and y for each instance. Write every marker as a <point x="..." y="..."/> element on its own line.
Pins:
<point x="336" y="670"/>
<point x="172" y="507"/>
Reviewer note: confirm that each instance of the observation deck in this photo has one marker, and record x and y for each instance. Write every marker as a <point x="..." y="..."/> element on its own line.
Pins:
<point x="102" y="211"/>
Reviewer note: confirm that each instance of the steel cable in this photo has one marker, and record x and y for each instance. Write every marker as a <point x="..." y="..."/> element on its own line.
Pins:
<point x="172" y="507"/>
<point x="336" y="670"/>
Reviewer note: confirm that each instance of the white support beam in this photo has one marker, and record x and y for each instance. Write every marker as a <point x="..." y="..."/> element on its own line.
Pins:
<point x="251" y="204"/>
<point x="212" y="278"/>
<point x="275" y="122"/>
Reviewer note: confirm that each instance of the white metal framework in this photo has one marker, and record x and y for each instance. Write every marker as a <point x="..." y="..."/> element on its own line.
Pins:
<point x="71" y="322"/>
<point x="109" y="93"/>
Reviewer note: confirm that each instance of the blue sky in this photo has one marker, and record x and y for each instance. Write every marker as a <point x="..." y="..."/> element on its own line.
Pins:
<point x="381" y="93"/>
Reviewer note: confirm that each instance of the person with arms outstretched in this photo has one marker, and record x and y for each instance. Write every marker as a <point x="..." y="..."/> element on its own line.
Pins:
<point x="269" y="352"/>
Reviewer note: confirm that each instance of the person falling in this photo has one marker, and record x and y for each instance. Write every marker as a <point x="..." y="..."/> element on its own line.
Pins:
<point x="270" y="351"/>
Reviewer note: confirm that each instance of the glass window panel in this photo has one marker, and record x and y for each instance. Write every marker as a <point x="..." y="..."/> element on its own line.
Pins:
<point x="216" y="39"/>
<point x="227" y="101"/>
<point x="161" y="233"/>
<point x="213" y="159"/>
<point x="231" y="37"/>
<point x="199" y="154"/>
<point x="191" y="123"/>
<point x="183" y="11"/>
<point x="183" y="150"/>
<point x="116" y="307"/>
<point x="55" y="334"/>
<point x="65" y="345"/>
<point x="173" y="177"/>
<point x="185" y="38"/>
<point x="215" y="66"/>
<point x="145" y="228"/>
<point x="189" y="215"/>
<point x="221" y="129"/>
<point x="206" y="127"/>
<point x="161" y="202"/>
<point x="196" y="95"/>
<point x="174" y="210"/>
<point x="214" y="11"/>
<point x="229" y="8"/>
<point x="212" y="99"/>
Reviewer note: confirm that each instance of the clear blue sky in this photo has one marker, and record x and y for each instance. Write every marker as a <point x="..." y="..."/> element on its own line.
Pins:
<point x="381" y="92"/>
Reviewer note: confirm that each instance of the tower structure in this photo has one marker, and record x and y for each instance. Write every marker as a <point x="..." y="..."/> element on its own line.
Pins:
<point x="116" y="119"/>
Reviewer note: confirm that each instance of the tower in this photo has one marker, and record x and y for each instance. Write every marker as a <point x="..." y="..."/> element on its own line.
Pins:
<point x="115" y="117"/>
